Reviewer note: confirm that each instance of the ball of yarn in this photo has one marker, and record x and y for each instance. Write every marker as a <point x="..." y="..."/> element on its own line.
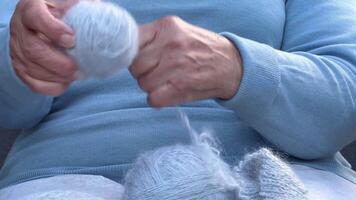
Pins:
<point x="181" y="172"/>
<point x="106" y="37"/>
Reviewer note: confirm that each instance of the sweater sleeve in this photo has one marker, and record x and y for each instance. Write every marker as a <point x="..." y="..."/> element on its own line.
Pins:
<point x="302" y="98"/>
<point x="19" y="106"/>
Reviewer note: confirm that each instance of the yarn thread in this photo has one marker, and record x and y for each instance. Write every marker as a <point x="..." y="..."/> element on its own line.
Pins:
<point x="196" y="172"/>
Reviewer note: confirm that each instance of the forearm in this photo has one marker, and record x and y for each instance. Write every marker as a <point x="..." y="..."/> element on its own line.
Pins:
<point x="301" y="102"/>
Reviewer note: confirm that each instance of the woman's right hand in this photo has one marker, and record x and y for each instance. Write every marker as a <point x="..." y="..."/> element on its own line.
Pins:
<point x="37" y="42"/>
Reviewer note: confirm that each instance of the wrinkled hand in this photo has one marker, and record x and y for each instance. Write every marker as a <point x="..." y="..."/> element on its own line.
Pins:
<point x="179" y="63"/>
<point x="37" y="36"/>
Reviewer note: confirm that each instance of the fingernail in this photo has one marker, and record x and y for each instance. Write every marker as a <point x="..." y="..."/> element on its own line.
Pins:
<point x="67" y="41"/>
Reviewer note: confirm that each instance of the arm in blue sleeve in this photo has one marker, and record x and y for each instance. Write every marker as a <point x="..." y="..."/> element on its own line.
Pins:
<point x="303" y="98"/>
<point x="19" y="106"/>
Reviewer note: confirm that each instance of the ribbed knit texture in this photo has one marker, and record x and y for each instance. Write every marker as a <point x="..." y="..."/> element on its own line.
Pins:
<point x="262" y="175"/>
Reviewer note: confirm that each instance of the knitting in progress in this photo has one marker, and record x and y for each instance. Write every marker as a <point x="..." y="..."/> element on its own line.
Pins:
<point x="106" y="41"/>
<point x="196" y="172"/>
<point x="106" y="37"/>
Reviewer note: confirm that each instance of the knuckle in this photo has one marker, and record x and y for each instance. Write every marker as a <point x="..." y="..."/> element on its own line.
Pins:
<point x="169" y="24"/>
<point x="169" y="21"/>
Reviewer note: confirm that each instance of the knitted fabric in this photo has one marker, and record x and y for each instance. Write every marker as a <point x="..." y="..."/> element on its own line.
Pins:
<point x="189" y="172"/>
<point x="262" y="175"/>
<point x="183" y="173"/>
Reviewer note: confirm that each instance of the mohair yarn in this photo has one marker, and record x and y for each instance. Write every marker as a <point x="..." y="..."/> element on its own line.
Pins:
<point x="196" y="172"/>
<point x="106" y="37"/>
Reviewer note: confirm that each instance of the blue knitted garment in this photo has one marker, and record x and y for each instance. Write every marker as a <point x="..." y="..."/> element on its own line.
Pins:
<point x="297" y="95"/>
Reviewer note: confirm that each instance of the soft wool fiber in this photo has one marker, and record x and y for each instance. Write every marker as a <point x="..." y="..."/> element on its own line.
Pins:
<point x="106" y="37"/>
<point x="196" y="172"/>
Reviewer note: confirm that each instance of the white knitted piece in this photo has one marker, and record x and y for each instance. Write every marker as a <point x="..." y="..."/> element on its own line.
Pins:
<point x="262" y="175"/>
<point x="106" y="37"/>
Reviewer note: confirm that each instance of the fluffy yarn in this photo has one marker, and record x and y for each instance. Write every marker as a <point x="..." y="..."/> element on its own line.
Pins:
<point x="106" y="37"/>
<point x="196" y="172"/>
<point x="179" y="173"/>
<point x="263" y="175"/>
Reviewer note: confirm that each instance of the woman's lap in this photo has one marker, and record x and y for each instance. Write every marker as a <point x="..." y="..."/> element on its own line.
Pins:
<point x="320" y="185"/>
<point x="325" y="185"/>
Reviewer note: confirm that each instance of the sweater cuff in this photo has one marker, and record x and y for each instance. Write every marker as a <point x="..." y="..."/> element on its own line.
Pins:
<point x="260" y="80"/>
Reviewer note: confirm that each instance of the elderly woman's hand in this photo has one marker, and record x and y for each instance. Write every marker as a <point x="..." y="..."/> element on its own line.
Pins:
<point x="36" y="35"/>
<point x="179" y="62"/>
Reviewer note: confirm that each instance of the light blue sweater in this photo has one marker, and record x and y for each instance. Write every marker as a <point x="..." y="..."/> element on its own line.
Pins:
<point x="298" y="94"/>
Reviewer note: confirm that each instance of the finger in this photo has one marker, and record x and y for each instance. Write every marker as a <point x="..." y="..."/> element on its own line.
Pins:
<point x="58" y="9"/>
<point x="38" y="18"/>
<point x="44" y="54"/>
<point x="158" y="76"/>
<point x="43" y="87"/>
<point x="147" y="34"/>
<point x="36" y="71"/>
<point x="169" y="94"/>
<point x="146" y="61"/>
<point x="166" y="95"/>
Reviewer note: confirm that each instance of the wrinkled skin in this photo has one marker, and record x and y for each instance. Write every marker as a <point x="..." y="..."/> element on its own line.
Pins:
<point x="179" y="63"/>
<point x="37" y="41"/>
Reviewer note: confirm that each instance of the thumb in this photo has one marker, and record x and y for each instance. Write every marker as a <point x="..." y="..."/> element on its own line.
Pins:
<point x="38" y="18"/>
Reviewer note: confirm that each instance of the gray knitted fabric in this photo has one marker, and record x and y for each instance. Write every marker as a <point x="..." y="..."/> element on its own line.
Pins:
<point x="186" y="172"/>
<point x="262" y="175"/>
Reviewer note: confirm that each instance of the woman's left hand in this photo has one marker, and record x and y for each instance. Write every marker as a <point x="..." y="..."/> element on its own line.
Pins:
<point x="179" y="63"/>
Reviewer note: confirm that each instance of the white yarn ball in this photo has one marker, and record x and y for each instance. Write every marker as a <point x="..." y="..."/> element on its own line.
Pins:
<point x="106" y="37"/>
<point x="181" y="172"/>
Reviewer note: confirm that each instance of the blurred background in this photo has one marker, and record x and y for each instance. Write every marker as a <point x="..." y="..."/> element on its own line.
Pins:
<point x="7" y="137"/>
